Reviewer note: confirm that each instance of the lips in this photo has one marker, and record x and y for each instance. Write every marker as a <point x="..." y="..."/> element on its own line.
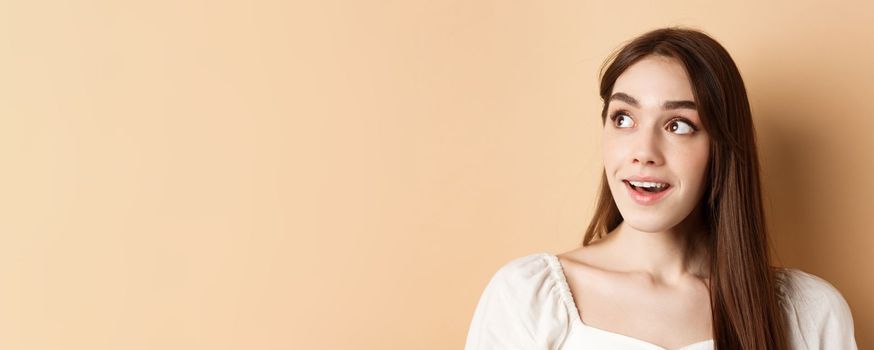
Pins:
<point x="648" y="186"/>
<point x="646" y="190"/>
<point x="647" y="178"/>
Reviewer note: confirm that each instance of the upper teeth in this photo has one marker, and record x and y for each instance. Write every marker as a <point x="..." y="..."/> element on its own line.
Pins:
<point x="647" y="184"/>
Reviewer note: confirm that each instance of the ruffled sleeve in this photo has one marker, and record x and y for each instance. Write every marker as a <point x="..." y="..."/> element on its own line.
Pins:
<point x="520" y="308"/>
<point x="817" y="316"/>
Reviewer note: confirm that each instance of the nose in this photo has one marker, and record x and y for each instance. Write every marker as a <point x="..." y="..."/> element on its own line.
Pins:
<point x="647" y="150"/>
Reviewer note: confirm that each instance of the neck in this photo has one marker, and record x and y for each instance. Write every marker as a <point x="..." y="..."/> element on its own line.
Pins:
<point x="666" y="256"/>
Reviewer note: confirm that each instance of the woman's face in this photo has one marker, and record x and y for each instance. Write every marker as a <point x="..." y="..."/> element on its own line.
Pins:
<point x="655" y="149"/>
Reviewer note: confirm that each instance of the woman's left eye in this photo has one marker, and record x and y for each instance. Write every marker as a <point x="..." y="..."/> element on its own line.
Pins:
<point x="681" y="127"/>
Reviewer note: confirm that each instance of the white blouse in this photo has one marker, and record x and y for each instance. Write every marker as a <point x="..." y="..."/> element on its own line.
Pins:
<point x="528" y="305"/>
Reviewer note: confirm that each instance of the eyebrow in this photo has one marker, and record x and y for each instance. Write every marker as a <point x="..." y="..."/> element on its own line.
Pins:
<point x="621" y="96"/>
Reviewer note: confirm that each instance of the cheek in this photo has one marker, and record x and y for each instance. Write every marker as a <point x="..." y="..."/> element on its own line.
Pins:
<point x="611" y="153"/>
<point x="695" y="163"/>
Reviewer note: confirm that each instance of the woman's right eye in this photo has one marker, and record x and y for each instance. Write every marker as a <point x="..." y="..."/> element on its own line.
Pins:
<point x="622" y="120"/>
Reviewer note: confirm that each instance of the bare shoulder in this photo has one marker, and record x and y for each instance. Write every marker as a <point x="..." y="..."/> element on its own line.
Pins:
<point x="579" y="260"/>
<point x="593" y="260"/>
<point x="589" y="266"/>
<point x="592" y="256"/>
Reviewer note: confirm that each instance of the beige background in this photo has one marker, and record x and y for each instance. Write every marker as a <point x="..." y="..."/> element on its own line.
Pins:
<point x="349" y="174"/>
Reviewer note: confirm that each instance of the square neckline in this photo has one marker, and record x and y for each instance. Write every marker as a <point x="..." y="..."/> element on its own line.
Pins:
<point x="557" y="271"/>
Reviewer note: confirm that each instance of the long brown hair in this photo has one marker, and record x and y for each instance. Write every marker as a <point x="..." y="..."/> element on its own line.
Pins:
<point x="743" y="294"/>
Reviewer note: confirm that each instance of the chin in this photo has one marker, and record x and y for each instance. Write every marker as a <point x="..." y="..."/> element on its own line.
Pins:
<point x="647" y="226"/>
<point x="649" y="222"/>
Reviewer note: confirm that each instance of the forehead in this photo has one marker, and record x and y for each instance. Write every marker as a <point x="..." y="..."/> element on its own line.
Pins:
<point x="655" y="79"/>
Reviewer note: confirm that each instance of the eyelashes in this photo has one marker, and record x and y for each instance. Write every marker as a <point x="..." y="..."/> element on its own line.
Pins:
<point x="616" y="115"/>
<point x="675" y="124"/>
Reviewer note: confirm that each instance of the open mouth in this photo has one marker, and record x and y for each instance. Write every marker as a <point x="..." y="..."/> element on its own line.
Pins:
<point x="646" y="187"/>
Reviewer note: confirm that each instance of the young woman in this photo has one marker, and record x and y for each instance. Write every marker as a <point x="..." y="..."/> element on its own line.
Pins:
<point x="676" y="255"/>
